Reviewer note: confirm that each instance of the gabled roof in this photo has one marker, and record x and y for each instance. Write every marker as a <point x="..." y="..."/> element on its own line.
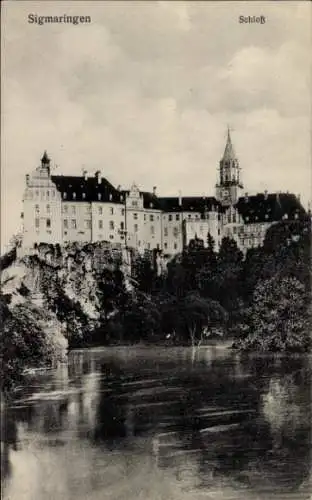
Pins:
<point x="269" y="207"/>
<point x="86" y="189"/>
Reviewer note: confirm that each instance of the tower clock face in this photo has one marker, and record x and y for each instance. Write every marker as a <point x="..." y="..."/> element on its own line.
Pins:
<point x="226" y="193"/>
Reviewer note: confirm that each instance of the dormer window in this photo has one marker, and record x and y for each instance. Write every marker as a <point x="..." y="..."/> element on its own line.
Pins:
<point x="151" y="205"/>
<point x="64" y="196"/>
<point x="74" y="196"/>
<point x="266" y="216"/>
<point x="83" y="196"/>
<point x="110" y="197"/>
<point x="121" y="198"/>
<point x="99" y="196"/>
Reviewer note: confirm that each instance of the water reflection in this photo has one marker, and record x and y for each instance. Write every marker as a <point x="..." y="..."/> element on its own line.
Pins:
<point x="128" y="421"/>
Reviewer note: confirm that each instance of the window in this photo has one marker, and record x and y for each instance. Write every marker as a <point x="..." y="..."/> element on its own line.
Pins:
<point x="48" y="209"/>
<point x="135" y="216"/>
<point x="219" y="232"/>
<point x="144" y="216"/>
<point x="65" y="224"/>
<point x="165" y="245"/>
<point x="37" y="223"/>
<point x="73" y="209"/>
<point x="37" y="208"/>
<point x="177" y="216"/>
<point x="83" y="196"/>
<point x="111" y="211"/>
<point x="48" y="222"/>
<point x="134" y="203"/>
<point x="100" y="224"/>
<point x="175" y="246"/>
<point x="122" y="211"/>
<point x="99" y="196"/>
<point x="88" y="209"/>
<point x="74" y="196"/>
<point x="234" y="217"/>
<point x="111" y="224"/>
<point x="135" y="228"/>
<point x="37" y="193"/>
<point x="189" y="216"/>
<point x="165" y="231"/>
<point x="100" y="210"/>
<point x="234" y="229"/>
<point x="87" y="224"/>
<point x="175" y="232"/>
<point x="48" y="194"/>
<point x="151" y="218"/>
<point x="229" y="218"/>
<point x="73" y="224"/>
<point x="53" y="194"/>
<point x="170" y="217"/>
<point x="64" y="196"/>
<point x="65" y="209"/>
<point x="111" y="236"/>
<point x="122" y="226"/>
<point x="110" y="197"/>
<point x="152" y="230"/>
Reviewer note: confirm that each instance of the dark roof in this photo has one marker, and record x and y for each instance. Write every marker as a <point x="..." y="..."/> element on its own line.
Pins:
<point x="150" y="200"/>
<point x="189" y="204"/>
<point x="86" y="189"/>
<point x="269" y="208"/>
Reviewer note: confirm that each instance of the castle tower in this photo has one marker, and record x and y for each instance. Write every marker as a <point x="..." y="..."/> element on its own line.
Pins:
<point x="229" y="185"/>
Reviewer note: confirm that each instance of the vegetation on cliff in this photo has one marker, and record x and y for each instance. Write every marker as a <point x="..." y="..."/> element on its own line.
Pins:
<point x="90" y="296"/>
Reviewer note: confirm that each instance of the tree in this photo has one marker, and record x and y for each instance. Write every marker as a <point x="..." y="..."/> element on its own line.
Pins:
<point x="199" y="316"/>
<point x="280" y="316"/>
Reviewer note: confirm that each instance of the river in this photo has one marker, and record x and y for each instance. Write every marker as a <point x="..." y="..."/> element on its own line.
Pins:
<point x="158" y="424"/>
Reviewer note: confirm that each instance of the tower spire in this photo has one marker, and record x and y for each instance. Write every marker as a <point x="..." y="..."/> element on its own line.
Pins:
<point x="229" y="153"/>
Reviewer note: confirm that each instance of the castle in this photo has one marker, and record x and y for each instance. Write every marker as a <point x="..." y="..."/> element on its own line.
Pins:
<point x="62" y="209"/>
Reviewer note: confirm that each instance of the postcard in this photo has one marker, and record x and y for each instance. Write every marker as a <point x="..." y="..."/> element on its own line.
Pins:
<point x="156" y="250"/>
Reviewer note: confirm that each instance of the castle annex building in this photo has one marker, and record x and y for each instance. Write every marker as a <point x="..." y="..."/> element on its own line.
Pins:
<point x="61" y="209"/>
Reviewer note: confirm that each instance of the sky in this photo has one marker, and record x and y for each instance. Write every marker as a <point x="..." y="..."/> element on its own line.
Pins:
<point x="145" y="93"/>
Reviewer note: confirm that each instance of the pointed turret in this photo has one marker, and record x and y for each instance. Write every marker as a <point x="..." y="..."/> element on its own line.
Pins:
<point x="229" y="153"/>
<point x="45" y="160"/>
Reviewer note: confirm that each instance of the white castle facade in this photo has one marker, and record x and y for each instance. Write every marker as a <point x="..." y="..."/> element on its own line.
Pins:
<point x="62" y="209"/>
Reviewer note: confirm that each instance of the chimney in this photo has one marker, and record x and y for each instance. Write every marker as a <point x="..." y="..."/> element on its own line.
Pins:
<point x="84" y="174"/>
<point x="246" y="197"/>
<point x="98" y="176"/>
<point x="180" y="199"/>
<point x="154" y="190"/>
<point x="266" y="194"/>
